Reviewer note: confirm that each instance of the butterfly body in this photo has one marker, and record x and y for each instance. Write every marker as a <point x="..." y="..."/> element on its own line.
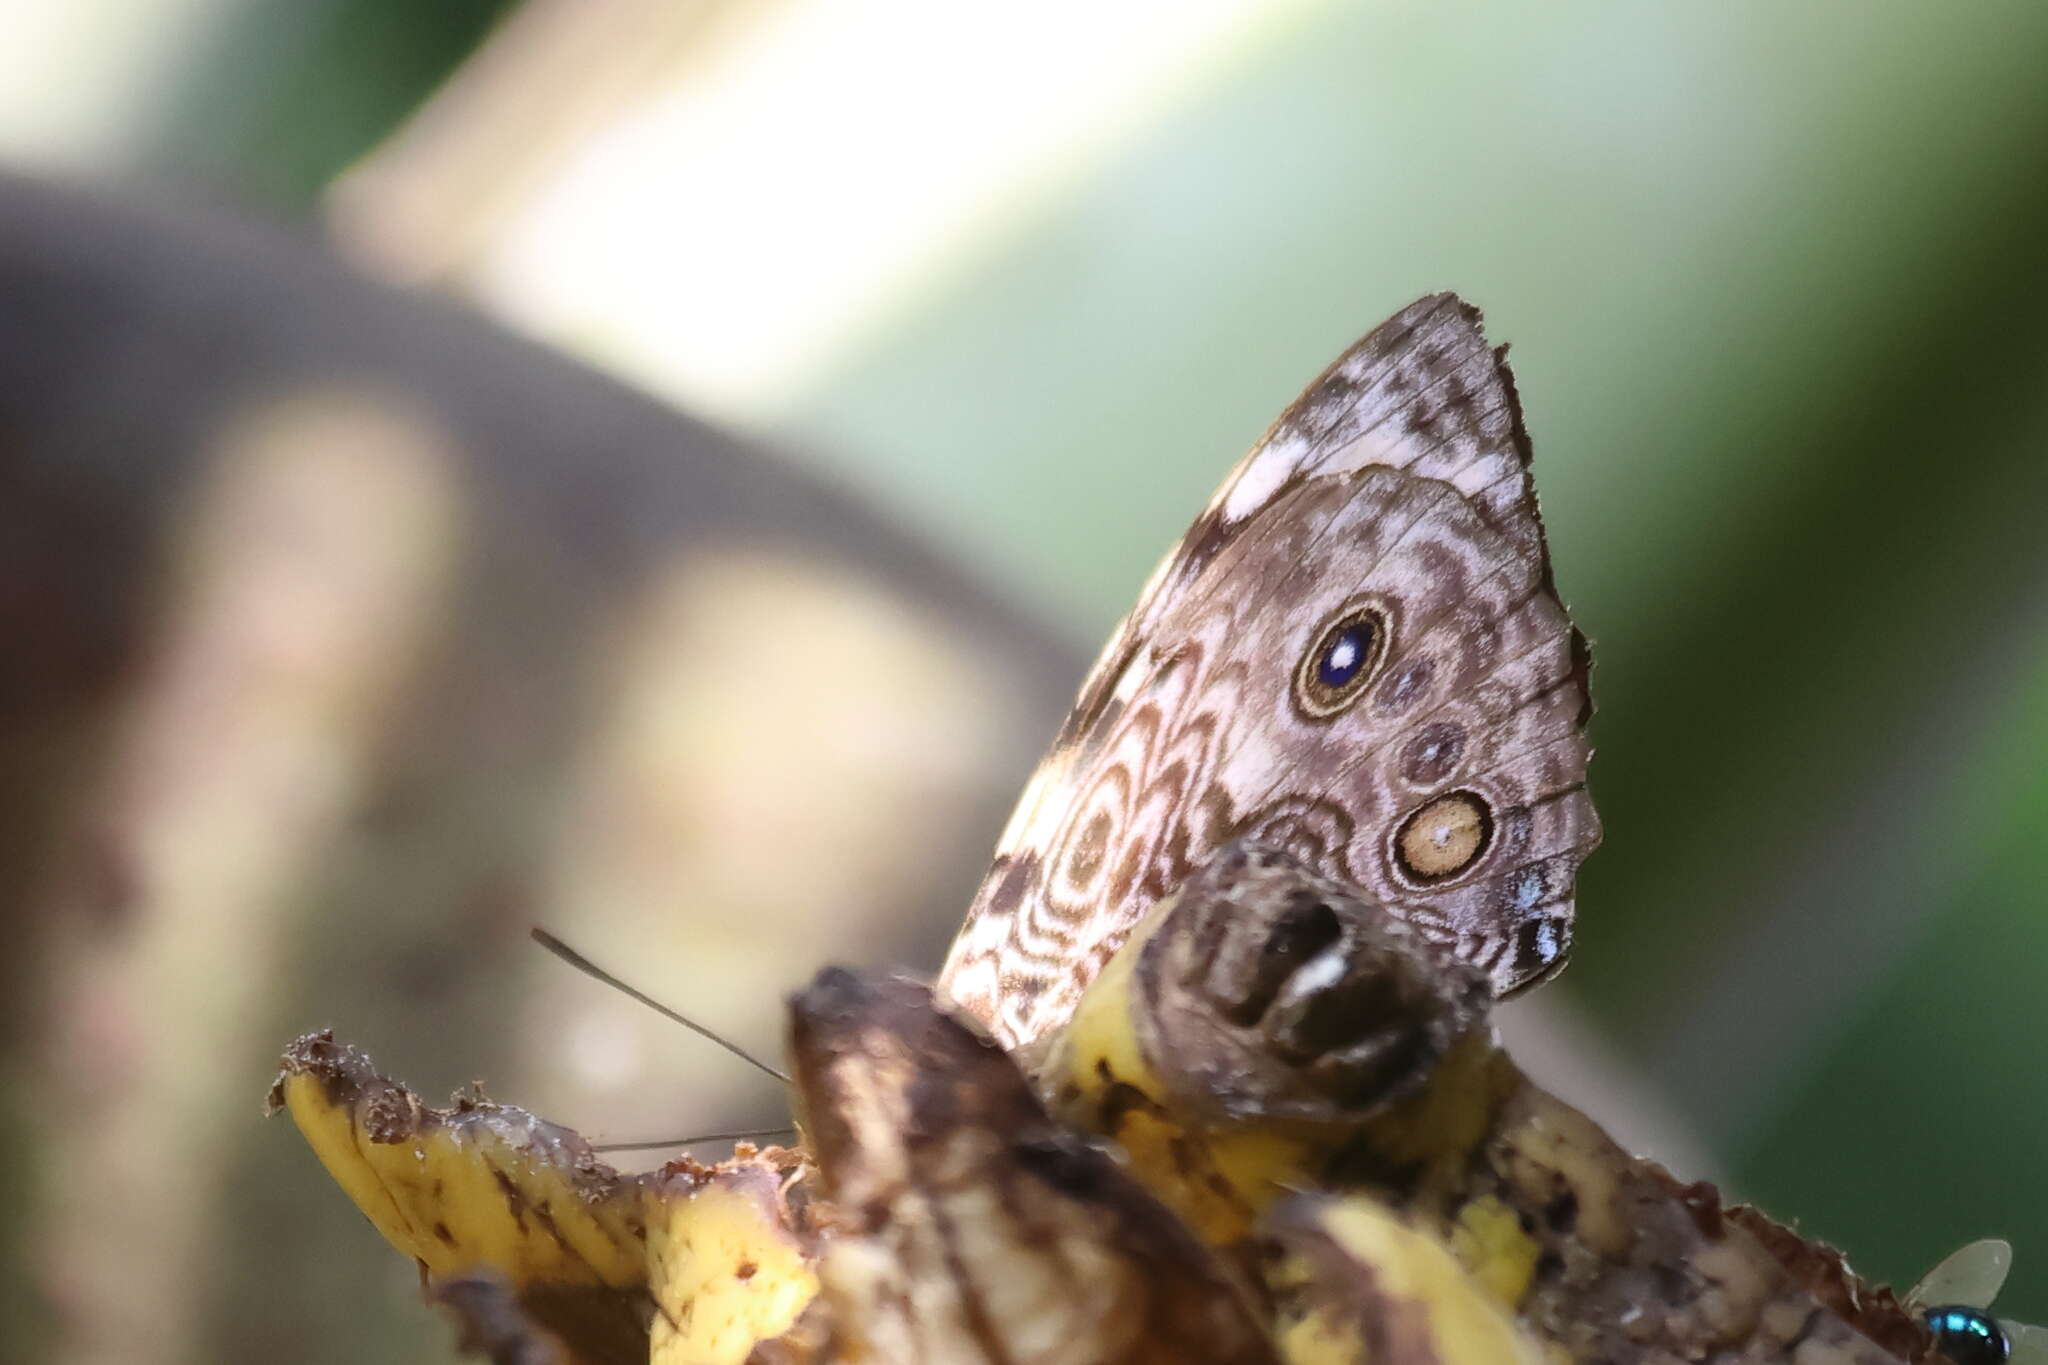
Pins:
<point x="1356" y="655"/>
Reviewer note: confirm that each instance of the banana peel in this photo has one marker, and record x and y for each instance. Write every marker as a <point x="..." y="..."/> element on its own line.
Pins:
<point x="974" y="1229"/>
<point x="1317" y="1154"/>
<point x="1237" y="1069"/>
<point x="693" y="1263"/>
<point x="730" y="1259"/>
<point x="1351" y="1282"/>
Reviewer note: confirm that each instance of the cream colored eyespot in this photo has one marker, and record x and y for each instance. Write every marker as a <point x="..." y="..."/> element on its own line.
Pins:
<point x="1344" y="656"/>
<point x="1443" y="838"/>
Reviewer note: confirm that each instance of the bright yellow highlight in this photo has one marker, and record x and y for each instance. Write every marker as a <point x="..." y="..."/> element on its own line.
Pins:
<point x="459" y="1197"/>
<point x="1219" y="1181"/>
<point x="726" y="1273"/>
<point x="1416" y="1286"/>
<point x="1488" y="1239"/>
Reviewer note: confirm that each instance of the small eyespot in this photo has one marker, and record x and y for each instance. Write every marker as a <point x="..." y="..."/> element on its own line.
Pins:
<point x="1342" y="659"/>
<point x="1433" y="754"/>
<point x="1405" y="684"/>
<point x="1442" y="838"/>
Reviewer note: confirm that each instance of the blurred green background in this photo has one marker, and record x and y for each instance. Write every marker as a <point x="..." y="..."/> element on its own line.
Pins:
<point x="1774" y="278"/>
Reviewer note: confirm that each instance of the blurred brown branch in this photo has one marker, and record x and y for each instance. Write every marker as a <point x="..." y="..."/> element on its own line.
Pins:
<point x="144" y="349"/>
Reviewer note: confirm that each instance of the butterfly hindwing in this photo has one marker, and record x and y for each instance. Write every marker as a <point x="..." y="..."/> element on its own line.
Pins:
<point x="1356" y="653"/>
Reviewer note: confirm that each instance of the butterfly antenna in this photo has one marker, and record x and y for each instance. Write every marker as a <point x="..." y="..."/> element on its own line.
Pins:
<point x="591" y="969"/>
<point x="742" y="1136"/>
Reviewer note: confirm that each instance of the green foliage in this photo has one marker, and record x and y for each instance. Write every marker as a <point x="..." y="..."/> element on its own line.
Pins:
<point x="1773" y="284"/>
<point x="279" y="99"/>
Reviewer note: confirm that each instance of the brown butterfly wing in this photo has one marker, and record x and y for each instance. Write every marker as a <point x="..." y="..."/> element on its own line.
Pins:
<point x="1383" y="533"/>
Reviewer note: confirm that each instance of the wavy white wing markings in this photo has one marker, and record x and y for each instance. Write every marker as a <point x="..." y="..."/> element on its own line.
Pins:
<point x="1424" y="393"/>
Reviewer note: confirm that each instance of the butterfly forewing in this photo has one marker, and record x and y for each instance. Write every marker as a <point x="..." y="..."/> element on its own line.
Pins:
<point x="1355" y="653"/>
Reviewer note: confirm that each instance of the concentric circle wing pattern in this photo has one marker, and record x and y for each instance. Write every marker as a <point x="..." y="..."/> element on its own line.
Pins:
<point x="1390" y="505"/>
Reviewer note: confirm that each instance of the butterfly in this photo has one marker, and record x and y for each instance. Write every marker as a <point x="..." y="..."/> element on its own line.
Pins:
<point x="1357" y="655"/>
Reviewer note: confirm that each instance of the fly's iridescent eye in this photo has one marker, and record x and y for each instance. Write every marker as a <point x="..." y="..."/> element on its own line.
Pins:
<point x="1341" y="659"/>
<point x="1968" y="1336"/>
